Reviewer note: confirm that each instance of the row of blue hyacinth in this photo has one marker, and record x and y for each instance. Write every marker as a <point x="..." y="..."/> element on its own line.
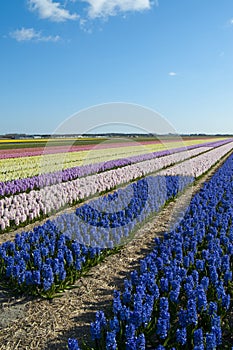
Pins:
<point x="182" y="293"/>
<point x="108" y="221"/>
<point x="52" y="256"/>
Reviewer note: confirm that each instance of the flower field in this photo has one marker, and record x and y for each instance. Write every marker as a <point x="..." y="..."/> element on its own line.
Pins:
<point x="78" y="184"/>
<point x="181" y="295"/>
<point x="25" y="165"/>
<point x="70" y="146"/>
<point x="46" y="260"/>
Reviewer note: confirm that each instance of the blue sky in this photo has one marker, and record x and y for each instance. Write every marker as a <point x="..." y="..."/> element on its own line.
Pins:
<point x="59" y="57"/>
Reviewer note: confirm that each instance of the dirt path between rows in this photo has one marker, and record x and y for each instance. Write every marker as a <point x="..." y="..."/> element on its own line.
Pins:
<point x="38" y="324"/>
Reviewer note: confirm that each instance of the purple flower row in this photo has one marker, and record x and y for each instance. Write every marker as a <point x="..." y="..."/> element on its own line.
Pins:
<point x="36" y="182"/>
<point x="20" y="208"/>
<point x="198" y="166"/>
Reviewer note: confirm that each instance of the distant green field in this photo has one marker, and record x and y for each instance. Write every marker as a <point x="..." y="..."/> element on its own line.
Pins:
<point x="13" y="144"/>
<point x="32" y="143"/>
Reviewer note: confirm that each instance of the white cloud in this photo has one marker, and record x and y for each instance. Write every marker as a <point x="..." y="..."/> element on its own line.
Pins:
<point x="47" y="9"/>
<point x="29" y="34"/>
<point x="229" y="23"/>
<point x="172" y="74"/>
<point x="105" y="8"/>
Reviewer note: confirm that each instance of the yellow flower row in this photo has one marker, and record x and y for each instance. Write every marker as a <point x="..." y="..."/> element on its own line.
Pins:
<point x="16" y="168"/>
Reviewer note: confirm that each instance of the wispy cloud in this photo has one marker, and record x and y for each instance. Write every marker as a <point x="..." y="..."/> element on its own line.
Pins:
<point x="172" y="74"/>
<point x="47" y="9"/>
<point x="55" y="11"/>
<point x="229" y="23"/>
<point x="29" y="34"/>
<point x="106" y="8"/>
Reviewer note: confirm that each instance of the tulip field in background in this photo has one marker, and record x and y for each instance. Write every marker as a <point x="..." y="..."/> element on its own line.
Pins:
<point x="181" y="296"/>
<point x="28" y="166"/>
<point x="28" y="147"/>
